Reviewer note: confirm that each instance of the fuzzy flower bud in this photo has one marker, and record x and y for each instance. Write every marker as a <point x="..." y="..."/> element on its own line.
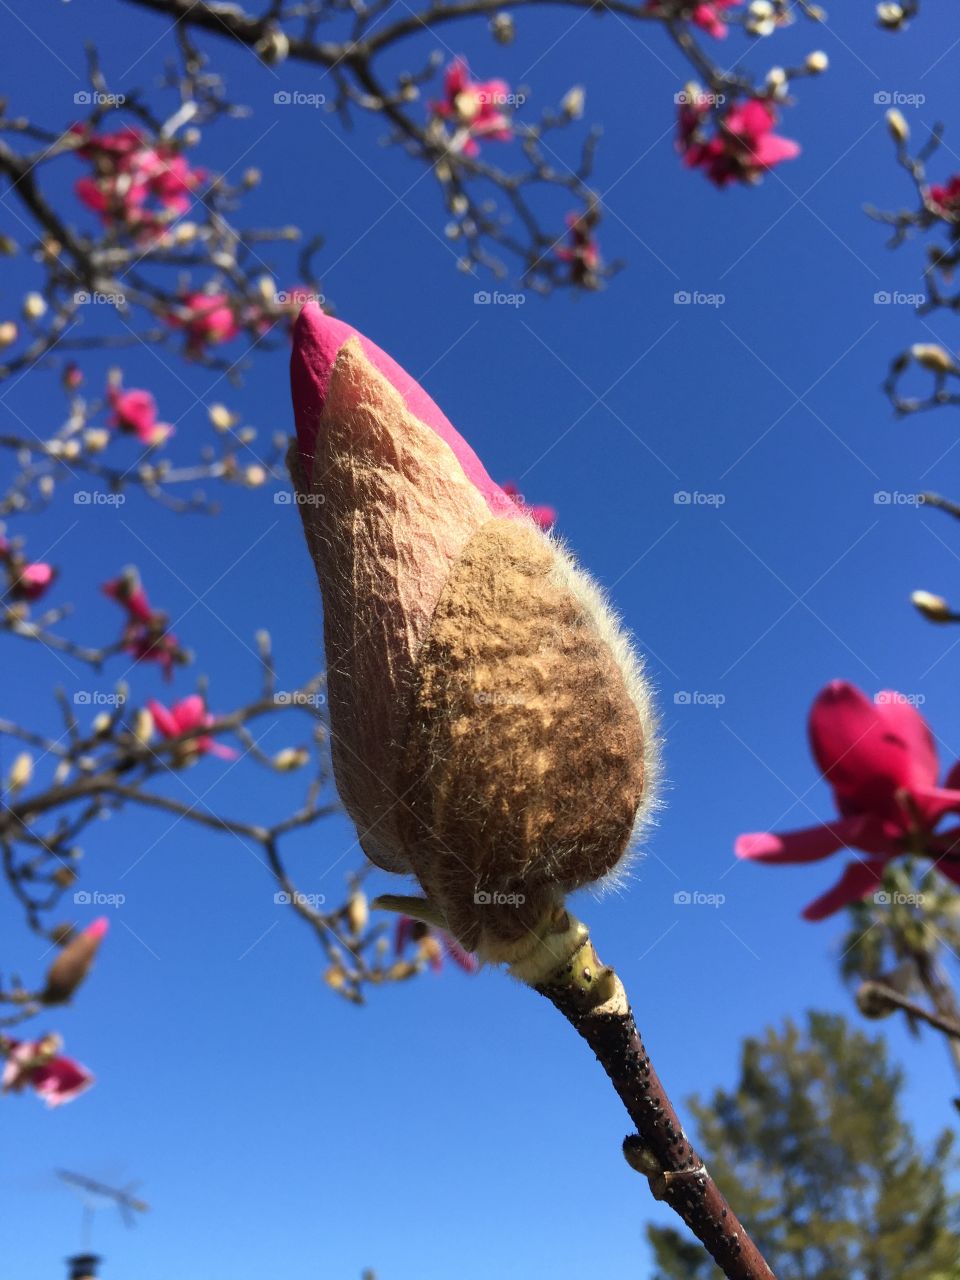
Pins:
<point x="73" y="963"/>
<point x="934" y="608"/>
<point x="491" y="728"/>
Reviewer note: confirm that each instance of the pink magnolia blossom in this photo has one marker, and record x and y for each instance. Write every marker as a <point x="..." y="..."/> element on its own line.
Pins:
<point x="184" y="716"/>
<point x="39" y="1065"/>
<point x="583" y="251"/>
<point x="947" y="196"/>
<point x="545" y="517"/>
<point x="474" y="107"/>
<point x="744" y="146"/>
<point x="146" y="636"/>
<point x="432" y="945"/>
<point x="129" y="172"/>
<point x="26" y="580"/>
<point x="880" y="759"/>
<point x="210" y="320"/>
<point x="707" y="17"/>
<point x="135" y="411"/>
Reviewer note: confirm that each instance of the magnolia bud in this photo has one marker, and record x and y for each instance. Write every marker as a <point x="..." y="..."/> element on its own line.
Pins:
<point x="221" y="417"/>
<point x="358" y="913"/>
<point x="503" y="28"/>
<point x="290" y="758"/>
<point x="96" y="439"/>
<point x="890" y="16"/>
<point x="933" y="357"/>
<point x="8" y="333"/>
<point x="573" y="101"/>
<point x="817" y="62"/>
<point x="897" y="125"/>
<point x="73" y="963"/>
<point x="934" y="608"/>
<point x="143" y="725"/>
<point x="34" y="306"/>
<point x="21" y="772"/>
<point x="255" y="475"/>
<point x="473" y="669"/>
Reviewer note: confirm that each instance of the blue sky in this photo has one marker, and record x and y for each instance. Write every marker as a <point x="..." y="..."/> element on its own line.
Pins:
<point x="276" y="1130"/>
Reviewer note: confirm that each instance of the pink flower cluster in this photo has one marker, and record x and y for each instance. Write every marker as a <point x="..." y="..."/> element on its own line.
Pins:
<point x="135" y="412"/>
<point x="743" y="146"/>
<point x="27" y="580"/>
<point x="145" y="637"/>
<point x="880" y="759"/>
<point x="135" y="182"/>
<point x="207" y="319"/>
<point x="705" y="16"/>
<point x="475" y="108"/>
<point x="583" y="251"/>
<point x="39" y="1065"/>
<point x="186" y="716"/>
<point x="947" y="197"/>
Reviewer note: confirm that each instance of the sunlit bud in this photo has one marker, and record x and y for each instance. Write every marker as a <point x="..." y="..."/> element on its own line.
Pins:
<point x="933" y="357"/>
<point x="255" y="475"/>
<point x="191" y="137"/>
<point x="185" y="232"/>
<point x="817" y="62"/>
<point x="221" y="417"/>
<point x="8" y="333"/>
<point x="267" y="288"/>
<point x="777" y="80"/>
<point x="872" y="1002"/>
<point x="46" y="486"/>
<point x="290" y="758"/>
<point x="8" y="247"/>
<point x="890" y="16"/>
<point x="273" y="47"/>
<point x="101" y="723"/>
<point x="64" y="877"/>
<point x="459" y="204"/>
<point x="71" y="449"/>
<point x="573" y="101"/>
<point x="503" y="28"/>
<point x="335" y="978"/>
<point x="96" y="439"/>
<point x="402" y="970"/>
<point x="143" y="725"/>
<point x="934" y="608"/>
<point x="21" y="772"/>
<point x="246" y="434"/>
<point x="251" y="177"/>
<point x="897" y="125"/>
<point x="34" y="306"/>
<point x="358" y="913"/>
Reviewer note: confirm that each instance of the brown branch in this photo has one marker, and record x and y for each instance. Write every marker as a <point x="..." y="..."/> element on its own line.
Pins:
<point x="592" y="999"/>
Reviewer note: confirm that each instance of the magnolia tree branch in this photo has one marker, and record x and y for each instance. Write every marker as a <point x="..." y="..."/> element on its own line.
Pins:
<point x="501" y="215"/>
<point x="592" y="999"/>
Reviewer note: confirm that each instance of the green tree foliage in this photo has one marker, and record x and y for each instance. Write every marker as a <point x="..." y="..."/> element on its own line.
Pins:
<point x="812" y="1150"/>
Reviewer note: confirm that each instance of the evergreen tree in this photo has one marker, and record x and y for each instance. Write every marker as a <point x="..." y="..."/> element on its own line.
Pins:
<point x="812" y="1149"/>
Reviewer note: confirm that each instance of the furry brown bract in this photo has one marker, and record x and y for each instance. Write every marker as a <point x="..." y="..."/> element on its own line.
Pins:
<point x="491" y="726"/>
<point x="524" y="768"/>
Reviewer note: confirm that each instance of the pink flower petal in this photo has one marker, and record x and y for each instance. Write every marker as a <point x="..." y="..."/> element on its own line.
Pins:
<point x="317" y="339"/>
<point x="858" y="881"/>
